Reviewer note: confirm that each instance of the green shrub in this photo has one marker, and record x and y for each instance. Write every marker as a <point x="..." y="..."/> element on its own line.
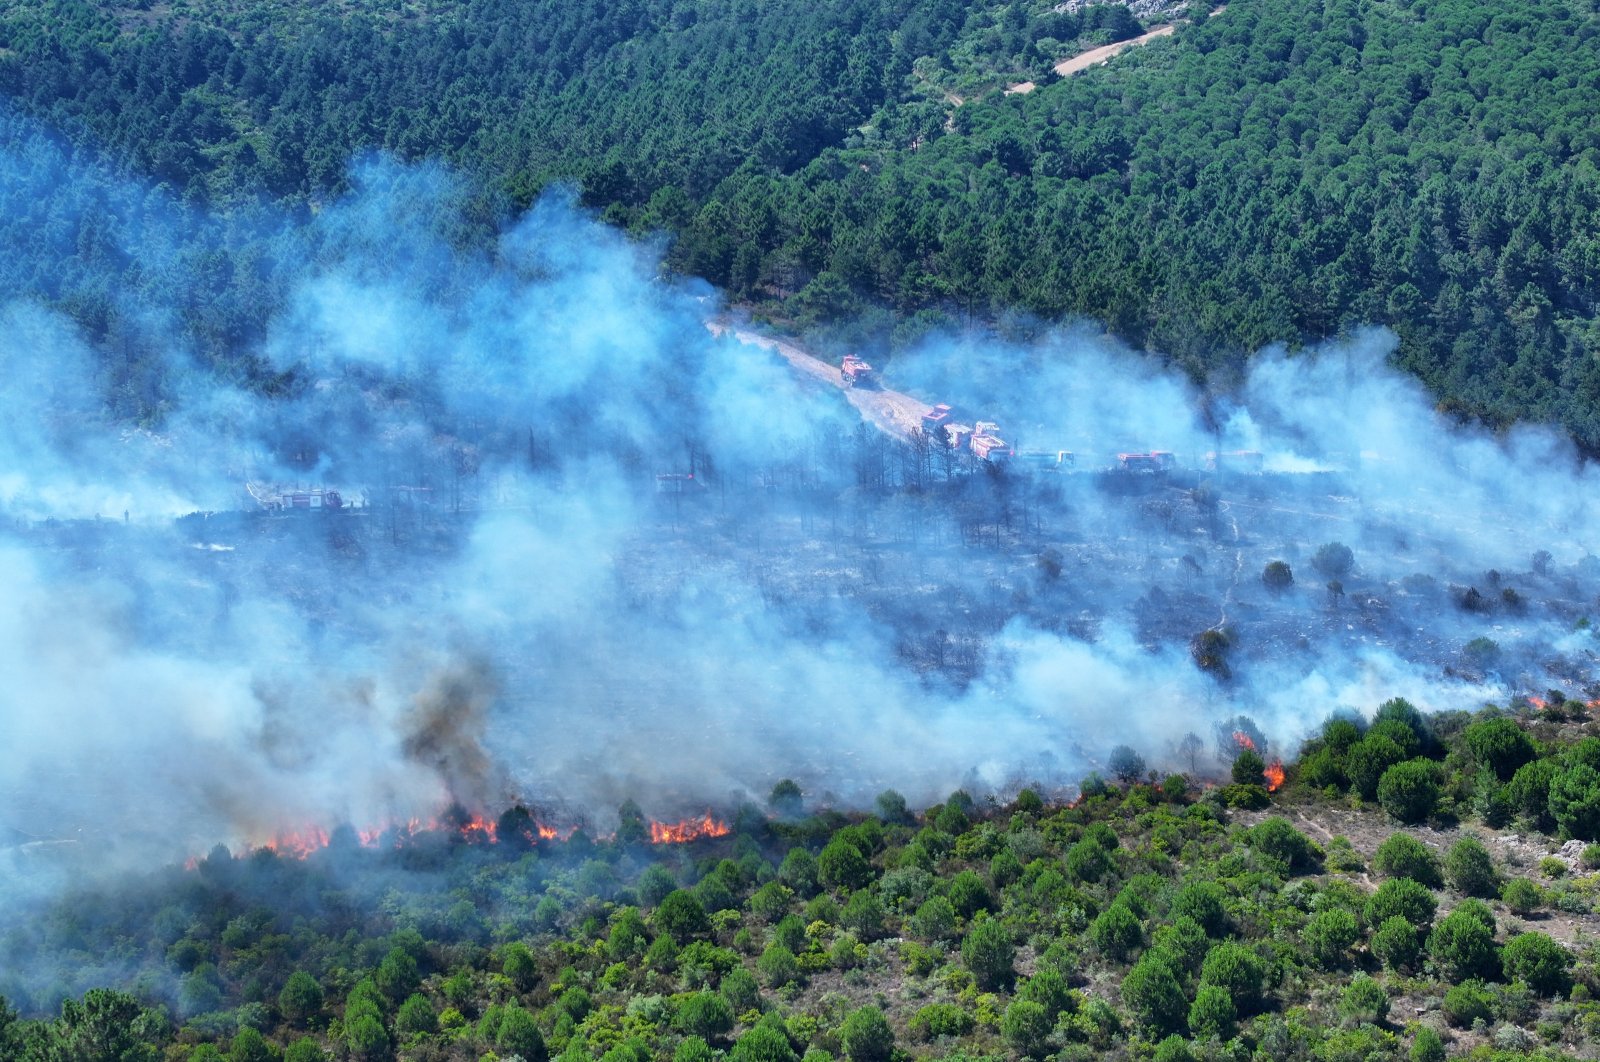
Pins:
<point x="1467" y="1003"/>
<point x="1409" y="791"/>
<point x="1401" y="896"/>
<point x="940" y="1019"/>
<point x="1026" y="1028"/>
<point x="1463" y="947"/>
<point x="1395" y="943"/>
<point x="1521" y="896"/>
<point x="1470" y="869"/>
<point x="1278" y="839"/>
<point x="1538" y="961"/>
<point x="988" y="952"/>
<point x="1364" y="1001"/>
<point x="1151" y="990"/>
<point x="866" y="1036"/>
<point x="1117" y="932"/>
<point x="1328" y="937"/>
<point x="1203" y="901"/>
<point x="1403" y="856"/>
<point x="1239" y="970"/>
<point x="1212" y="1014"/>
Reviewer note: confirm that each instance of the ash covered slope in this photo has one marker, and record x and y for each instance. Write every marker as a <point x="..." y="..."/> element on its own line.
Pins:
<point x="511" y="606"/>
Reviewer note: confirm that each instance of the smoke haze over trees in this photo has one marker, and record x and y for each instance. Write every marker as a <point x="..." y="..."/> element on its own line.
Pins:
<point x="1270" y="175"/>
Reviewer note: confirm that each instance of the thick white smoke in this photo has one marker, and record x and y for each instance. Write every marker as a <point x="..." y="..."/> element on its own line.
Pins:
<point x="514" y="612"/>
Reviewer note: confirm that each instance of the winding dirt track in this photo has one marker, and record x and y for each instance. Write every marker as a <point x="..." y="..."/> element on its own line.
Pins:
<point x="1097" y="56"/>
<point x="892" y="412"/>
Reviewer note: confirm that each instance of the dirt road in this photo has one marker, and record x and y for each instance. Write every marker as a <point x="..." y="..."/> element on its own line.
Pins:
<point x="1096" y="56"/>
<point x="892" y="412"/>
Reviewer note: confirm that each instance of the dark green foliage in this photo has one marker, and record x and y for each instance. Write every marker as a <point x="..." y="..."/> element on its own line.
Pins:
<point x="1403" y="856"/>
<point x="416" y="1015"/>
<point x="1277" y="576"/>
<point x="1237" y="969"/>
<point x="250" y="1046"/>
<point x="988" y="952"/>
<point x="1538" y="961"/>
<point x="517" y="962"/>
<point x="969" y="895"/>
<point x="704" y="1014"/>
<point x="790" y="933"/>
<point x="628" y="939"/>
<point x="952" y="819"/>
<point x="1151" y="990"/>
<point x="1364" y="1001"/>
<point x="1470" y="868"/>
<point x="397" y="975"/>
<point x="1426" y="1046"/>
<point x="1048" y="989"/>
<point x="1249" y="768"/>
<point x="1329" y="936"/>
<point x="1367" y="761"/>
<point x="940" y="1019"/>
<point x="1575" y="802"/>
<point x="1467" y="1003"/>
<point x="799" y="871"/>
<point x="1026" y="1028"/>
<point x="300" y="999"/>
<point x="739" y="988"/>
<point x="866" y="1036"/>
<point x="365" y="1037"/>
<point x="1521" y="896"/>
<point x="692" y="1049"/>
<point x="1212" y="1014"/>
<point x="1462" y="945"/>
<point x="1126" y="764"/>
<point x="1117" y="932"/>
<point x="1501" y="745"/>
<point x="763" y="1044"/>
<point x="1088" y="861"/>
<point x="305" y="1049"/>
<point x="1409" y="899"/>
<point x="778" y="966"/>
<point x="1410" y="791"/>
<point x="1174" y="1049"/>
<point x="519" y="1035"/>
<point x="842" y="866"/>
<point x="1277" y="838"/>
<point x="1529" y="791"/>
<point x="1185" y="941"/>
<point x="934" y="920"/>
<point x="656" y="884"/>
<point x="786" y="799"/>
<point x="681" y="916"/>
<point x="863" y="914"/>
<point x="1203" y="901"/>
<point x="1395" y="943"/>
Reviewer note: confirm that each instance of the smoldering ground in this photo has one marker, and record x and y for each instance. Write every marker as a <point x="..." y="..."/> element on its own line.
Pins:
<point x="511" y="606"/>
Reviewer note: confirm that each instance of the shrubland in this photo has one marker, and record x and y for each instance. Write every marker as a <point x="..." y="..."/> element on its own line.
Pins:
<point x="1168" y="919"/>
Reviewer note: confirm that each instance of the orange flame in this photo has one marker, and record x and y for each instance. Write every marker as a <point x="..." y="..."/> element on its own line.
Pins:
<point x="1243" y="740"/>
<point x="1274" y="773"/>
<point x="687" y="830"/>
<point x="474" y="828"/>
<point x="1539" y="703"/>
<point x="298" y="843"/>
<point x="478" y="830"/>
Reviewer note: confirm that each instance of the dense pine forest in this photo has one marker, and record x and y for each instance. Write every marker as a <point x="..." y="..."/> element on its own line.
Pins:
<point x="1281" y="173"/>
<point x="1397" y="897"/>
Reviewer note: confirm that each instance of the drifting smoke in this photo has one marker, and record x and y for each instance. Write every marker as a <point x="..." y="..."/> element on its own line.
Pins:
<point x="507" y="607"/>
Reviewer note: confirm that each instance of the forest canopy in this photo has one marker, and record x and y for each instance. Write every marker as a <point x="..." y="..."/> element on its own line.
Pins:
<point x="1278" y="173"/>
